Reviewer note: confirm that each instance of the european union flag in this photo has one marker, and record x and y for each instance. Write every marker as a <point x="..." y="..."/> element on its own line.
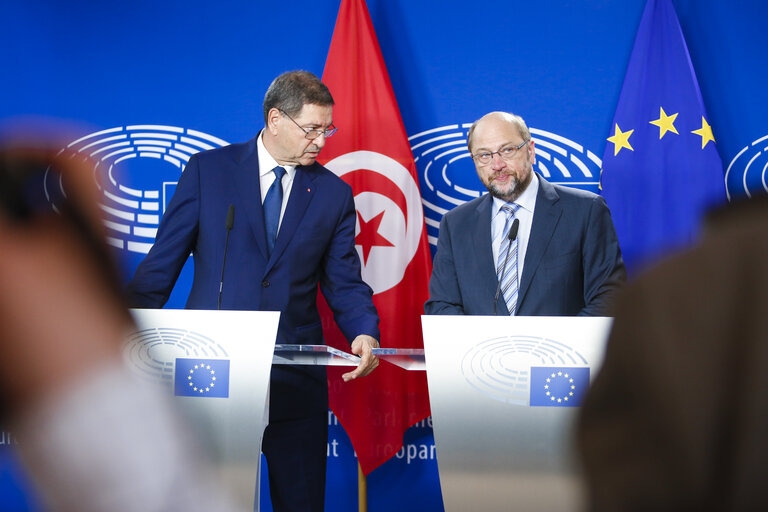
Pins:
<point x="661" y="170"/>
<point x="202" y="377"/>
<point x="558" y="386"/>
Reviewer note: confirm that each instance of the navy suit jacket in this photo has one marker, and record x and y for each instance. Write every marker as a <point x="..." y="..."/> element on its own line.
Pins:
<point x="315" y="245"/>
<point x="573" y="264"/>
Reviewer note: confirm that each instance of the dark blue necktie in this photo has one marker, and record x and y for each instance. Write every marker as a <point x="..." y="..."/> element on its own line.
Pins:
<point x="273" y="203"/>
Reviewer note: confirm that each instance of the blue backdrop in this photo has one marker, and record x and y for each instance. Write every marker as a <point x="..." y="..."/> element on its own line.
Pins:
<point x="203" y="67"/>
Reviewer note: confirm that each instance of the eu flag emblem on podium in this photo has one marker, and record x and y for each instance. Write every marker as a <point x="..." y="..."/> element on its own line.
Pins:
<point x="202" y="377"/>
<point x="558" y="386"/>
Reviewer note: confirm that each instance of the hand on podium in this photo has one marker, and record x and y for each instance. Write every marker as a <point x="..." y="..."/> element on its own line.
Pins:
<point x="362" y="346"/>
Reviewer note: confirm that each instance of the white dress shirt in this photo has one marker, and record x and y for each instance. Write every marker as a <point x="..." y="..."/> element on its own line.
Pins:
<point x="267" y="177"/>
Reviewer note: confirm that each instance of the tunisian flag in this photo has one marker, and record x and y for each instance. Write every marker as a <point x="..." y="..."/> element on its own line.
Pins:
<point x="372" y="154"/>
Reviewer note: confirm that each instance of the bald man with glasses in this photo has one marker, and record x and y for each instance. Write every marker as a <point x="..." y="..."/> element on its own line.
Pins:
<point x="527" y="247"/>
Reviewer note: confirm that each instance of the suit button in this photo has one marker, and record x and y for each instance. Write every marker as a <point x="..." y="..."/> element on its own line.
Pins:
<point x="265" y="284"/>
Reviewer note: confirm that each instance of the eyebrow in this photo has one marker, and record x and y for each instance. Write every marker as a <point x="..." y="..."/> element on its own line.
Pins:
<point x="500" y="147"/>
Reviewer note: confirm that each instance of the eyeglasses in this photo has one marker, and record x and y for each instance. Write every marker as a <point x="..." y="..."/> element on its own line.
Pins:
<point x="506" y="153"/>
<point x="313" y="133"/>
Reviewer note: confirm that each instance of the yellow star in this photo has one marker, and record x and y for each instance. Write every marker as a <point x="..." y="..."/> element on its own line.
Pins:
<point x="705" y="132"/>
<point x="665" y="123"/>
<point x="620" y="140"/>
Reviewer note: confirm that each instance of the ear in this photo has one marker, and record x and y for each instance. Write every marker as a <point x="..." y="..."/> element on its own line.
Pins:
<point x="531" y="152"/>
<point x="273" y="117"/>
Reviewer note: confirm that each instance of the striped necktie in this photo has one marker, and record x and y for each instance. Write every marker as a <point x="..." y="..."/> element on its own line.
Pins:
<point x="509" y="282"/>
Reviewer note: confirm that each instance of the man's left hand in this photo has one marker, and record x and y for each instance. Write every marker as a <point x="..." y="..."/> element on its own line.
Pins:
<point x="362" y="346"/>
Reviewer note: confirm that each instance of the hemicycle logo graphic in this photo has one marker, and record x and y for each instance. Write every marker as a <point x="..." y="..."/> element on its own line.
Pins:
<point x="137" y="168"/>
<point x="152" y="353"/>
<point x="500" y="368"/>
<point x="746" y="174"/>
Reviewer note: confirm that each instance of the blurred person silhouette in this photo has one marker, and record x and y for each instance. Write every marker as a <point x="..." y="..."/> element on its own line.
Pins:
<point x="90" y="434"/>
<point x="677" y="417"/>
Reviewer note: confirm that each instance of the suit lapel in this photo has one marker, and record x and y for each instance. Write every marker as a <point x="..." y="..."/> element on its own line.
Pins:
<point x="545" y="218"/>
<point x="482" y="245"/>
<point x="249" y="190"/>
<point x="302" y="192"/>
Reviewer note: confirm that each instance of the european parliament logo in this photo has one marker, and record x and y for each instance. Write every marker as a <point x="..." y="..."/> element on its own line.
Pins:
<point x="137" y="168"/>
<point x="527" y="370"/>
<point x="168" y="356"/>
<point x="746" y="174"/>
<point x="202" y="377"/>
<point x="558" y="386"/>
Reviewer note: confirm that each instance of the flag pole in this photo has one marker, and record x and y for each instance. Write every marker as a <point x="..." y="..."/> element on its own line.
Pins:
<point x="362" y="490"/>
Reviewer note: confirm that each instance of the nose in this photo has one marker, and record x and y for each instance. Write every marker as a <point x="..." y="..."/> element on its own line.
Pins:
<point x="497" y="162"/>
<point x="319" y="141"/>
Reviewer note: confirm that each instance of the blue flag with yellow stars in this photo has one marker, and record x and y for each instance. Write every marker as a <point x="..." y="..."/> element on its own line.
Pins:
<point x="661" y="169"/>
<point x="558" y="386"/>
<point x="202" y="377"/>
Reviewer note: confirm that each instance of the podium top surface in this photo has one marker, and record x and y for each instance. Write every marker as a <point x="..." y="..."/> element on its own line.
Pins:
<point x="406" y="358"/>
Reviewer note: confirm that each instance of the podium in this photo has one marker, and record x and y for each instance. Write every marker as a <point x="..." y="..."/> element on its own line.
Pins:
<point x="504" y="393"/>
<point x="215" y="365"/>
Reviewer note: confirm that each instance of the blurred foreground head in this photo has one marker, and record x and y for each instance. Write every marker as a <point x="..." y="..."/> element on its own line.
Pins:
<point x="677" y="417"/>
<point x="61" y="310"/>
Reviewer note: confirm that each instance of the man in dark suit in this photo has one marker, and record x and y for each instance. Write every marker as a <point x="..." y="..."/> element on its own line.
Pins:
<point x="677" y="417"/>
<point x="294" y="228"/>
<point x="565" y="258"/>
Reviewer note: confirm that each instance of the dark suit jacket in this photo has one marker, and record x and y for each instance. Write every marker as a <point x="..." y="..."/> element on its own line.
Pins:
<point x="677" y="418"/>
<point x="315" y="245"/>
<point x="572" y="267"/>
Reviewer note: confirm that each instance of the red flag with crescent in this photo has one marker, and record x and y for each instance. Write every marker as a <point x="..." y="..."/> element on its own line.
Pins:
<point x="372" y="154"/>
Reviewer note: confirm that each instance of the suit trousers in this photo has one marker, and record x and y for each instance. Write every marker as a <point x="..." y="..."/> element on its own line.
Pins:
<point x="296" y="452"/>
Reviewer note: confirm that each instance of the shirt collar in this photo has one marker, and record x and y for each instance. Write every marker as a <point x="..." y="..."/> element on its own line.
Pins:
<point x="267" y="162"/>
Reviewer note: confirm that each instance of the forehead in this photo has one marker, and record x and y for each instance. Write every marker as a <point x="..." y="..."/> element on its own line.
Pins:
<point x="493" y="132"/>
<point x="316" y="115"/>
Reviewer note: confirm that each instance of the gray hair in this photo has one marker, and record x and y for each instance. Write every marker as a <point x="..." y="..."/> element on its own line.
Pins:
<point x="292" y="90"/>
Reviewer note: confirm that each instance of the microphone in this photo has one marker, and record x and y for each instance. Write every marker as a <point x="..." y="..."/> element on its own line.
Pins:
<point x="228" y="226"/>
<point x="511" y="236"/>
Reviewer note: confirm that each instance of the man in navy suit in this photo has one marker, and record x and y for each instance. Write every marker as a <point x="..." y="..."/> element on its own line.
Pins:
<point x="527" y="247"/>
<point x="294" y="229"/>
